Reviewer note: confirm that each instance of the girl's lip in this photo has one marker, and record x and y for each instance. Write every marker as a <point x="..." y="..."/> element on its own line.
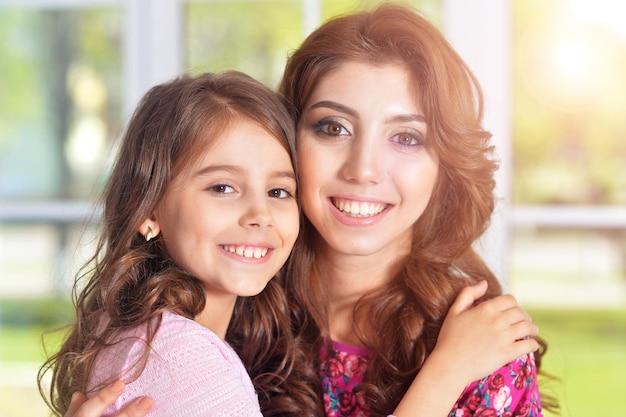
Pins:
<point x="353" y="211"/>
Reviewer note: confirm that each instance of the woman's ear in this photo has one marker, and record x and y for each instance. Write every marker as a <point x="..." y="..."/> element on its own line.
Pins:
<point x="150" y="228"/>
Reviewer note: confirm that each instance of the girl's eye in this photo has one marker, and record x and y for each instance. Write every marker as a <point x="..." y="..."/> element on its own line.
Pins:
<point x="279" y="193"/>
<point x="408" y="139"/>
<point x="331" y="128"/>
<point x="221" y="189"/>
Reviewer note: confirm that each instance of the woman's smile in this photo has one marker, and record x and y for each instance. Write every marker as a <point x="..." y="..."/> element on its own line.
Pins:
<point x="354" y="208"/>
<point x="367" y="172"/>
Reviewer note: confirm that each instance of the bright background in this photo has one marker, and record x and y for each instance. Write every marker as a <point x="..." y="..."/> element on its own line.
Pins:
<point x="554" y="75"/>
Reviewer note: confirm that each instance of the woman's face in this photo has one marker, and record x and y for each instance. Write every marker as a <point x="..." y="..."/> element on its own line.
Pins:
<point x="367" y="173"/>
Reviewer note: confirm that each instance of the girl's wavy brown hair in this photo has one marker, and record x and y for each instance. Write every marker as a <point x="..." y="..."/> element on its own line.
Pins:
<point x="130" y="282"/>
<point x="409" y="311"/>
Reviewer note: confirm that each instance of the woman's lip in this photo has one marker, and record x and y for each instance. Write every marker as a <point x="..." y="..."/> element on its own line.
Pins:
<point x="357" y="212"/>
<point x="358" y="208"/>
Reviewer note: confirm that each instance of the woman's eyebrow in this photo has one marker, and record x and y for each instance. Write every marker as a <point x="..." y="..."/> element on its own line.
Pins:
<point x="405" y="118"/>
<point x="333" y="105"/>
<point x="400" y="118"/>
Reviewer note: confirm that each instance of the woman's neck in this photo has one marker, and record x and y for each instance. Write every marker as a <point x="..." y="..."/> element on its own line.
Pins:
<point x="348" y="278"/>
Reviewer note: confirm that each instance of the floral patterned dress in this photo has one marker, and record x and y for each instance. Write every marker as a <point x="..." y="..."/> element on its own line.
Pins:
<point x="511" y="391"/>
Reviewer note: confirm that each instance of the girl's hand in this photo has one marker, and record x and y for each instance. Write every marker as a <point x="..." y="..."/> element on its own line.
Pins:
<point x="80" y="406"/>
<point x="477" y="340"/>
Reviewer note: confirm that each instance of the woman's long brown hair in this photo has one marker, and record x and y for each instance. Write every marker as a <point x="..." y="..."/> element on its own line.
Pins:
<point x="130" y="282"/>
<point x="409" y="311"/>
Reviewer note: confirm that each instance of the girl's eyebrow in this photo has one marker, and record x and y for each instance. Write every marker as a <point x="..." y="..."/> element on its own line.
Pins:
<point x="215" y="168"/>
<point x="237" y="170"/>
<point x="400" y="118"/>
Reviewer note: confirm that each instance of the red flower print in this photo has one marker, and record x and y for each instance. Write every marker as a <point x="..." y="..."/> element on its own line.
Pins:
<point x="461" y="412"/>
<point x="486" y="412"/>
<point x="520" y="380"/>
<point x="347" y="403"/>
<point x="355" y="366"/>
<point x="334" y="367"/>
<point x="473" y="401"/>
<point x="496" y="382"/>
<point x="524" y="410"/>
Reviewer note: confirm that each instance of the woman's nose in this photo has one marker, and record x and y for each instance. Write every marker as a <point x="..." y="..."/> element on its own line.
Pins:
<point x="363" y="162"/>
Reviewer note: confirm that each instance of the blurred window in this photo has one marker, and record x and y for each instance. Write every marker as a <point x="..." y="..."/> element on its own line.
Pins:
<point x="60" y="104"/>
<point x="569" y="154"/>
<point x="570" y="103"/>
<point x="70" y="75"/>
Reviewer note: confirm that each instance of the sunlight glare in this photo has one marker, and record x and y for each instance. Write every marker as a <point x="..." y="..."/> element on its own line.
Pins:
<point x="608" y="13"/>
<point x="568" y="61"/>
<point x="573" y="61"/>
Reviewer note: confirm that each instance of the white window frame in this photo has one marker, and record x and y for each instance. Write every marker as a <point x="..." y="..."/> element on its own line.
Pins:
<point x="480" y="30"/>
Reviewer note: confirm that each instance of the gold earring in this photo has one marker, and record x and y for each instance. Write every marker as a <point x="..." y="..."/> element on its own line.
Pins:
<point x="149" y="235"/>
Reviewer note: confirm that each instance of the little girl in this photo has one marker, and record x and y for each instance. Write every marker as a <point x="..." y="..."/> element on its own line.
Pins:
<point x="200" y="209"/>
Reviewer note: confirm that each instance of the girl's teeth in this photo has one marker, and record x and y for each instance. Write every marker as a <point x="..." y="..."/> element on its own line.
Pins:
<point x="247" y="251"/>
<point x="359" y="208"/>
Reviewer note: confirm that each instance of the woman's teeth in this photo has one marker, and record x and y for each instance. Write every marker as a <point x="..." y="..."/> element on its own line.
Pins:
<point x="358" y="208"/>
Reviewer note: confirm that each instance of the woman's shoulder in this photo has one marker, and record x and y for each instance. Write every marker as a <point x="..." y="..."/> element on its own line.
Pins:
<point x="512" y="388"/>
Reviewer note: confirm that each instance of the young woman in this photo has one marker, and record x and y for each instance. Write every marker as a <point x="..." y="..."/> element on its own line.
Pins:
<point x="200" y="209"/>
<point x="396" y="176"/>
<point x="393" y="115"/>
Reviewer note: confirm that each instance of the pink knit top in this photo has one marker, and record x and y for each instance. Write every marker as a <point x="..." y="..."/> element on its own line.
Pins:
<point x="190" y="372"/>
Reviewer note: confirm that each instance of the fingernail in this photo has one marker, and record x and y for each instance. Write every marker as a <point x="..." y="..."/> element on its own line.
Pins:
<point x="144" y="403"/>
<point x="117" y="386"/>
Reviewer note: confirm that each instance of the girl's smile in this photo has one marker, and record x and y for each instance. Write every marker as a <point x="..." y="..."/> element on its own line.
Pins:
<point x="231" y="219"/>
<point x="246" y="251"/>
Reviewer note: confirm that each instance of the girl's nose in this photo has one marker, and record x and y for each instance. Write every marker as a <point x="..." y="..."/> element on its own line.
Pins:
<point x="256" y="214"/>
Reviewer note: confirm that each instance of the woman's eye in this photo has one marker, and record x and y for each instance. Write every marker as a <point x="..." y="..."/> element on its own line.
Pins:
<point x="279" y="193"/>
<point x="221" y="189"/>
<point x="408" y="139"/>
<point x="331" y="128"/>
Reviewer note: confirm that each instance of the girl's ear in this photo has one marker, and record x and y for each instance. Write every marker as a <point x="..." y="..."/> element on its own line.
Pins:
<point x="150" y="228"/>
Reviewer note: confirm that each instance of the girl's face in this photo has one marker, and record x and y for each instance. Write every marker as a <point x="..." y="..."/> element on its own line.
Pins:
<point x="231" y="219"/>
<point x="366" y="172"/>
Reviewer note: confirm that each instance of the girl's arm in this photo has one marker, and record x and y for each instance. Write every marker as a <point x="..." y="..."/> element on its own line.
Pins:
<point x="473" y="342"/>
<point x="189" y="367"/>
<point x="95" y="406"/>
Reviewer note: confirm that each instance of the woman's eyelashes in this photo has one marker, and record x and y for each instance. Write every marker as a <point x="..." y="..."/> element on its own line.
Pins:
<point x="409" y="138"/>
<point x="330" y="127"/>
